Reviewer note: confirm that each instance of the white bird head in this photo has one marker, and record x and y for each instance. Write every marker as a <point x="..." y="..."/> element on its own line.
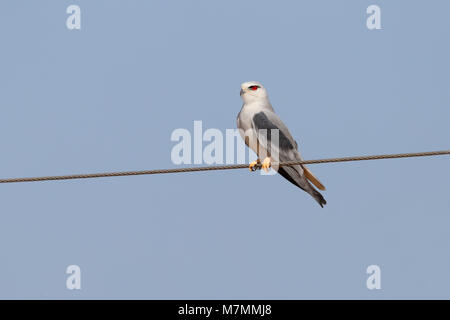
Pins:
<point x="253" y="91"/>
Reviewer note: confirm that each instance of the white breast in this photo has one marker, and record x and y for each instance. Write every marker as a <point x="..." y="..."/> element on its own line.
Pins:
<point x="244" y="123"/>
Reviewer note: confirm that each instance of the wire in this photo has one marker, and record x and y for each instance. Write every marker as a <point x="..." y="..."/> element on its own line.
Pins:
<point x="224" y="167"/>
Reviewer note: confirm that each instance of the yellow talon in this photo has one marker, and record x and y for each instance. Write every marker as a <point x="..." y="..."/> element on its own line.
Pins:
<point x="266" y="164"/>
<point x="253" y="165"/>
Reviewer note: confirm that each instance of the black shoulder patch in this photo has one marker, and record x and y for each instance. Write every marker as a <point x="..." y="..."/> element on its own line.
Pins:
<point x="262" y="122"/>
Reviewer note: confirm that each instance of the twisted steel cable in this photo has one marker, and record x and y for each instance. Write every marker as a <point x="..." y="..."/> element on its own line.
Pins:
<point x="223" y="167"/>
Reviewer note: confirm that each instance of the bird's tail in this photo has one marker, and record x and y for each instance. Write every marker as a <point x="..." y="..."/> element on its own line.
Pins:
<point x="312" y="178"/>
<point x="317" y="196"/>
<point x="294" y="175"/>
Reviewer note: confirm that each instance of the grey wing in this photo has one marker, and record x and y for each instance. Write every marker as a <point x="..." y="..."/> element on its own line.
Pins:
<point x="287" y="151"/>
<point x="263" y="123"/>
<point x="287" y="146"/>
<point x="283" y="128"/>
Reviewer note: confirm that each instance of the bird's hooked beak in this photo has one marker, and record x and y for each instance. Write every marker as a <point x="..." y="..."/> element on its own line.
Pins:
<point x="241" y="93"/>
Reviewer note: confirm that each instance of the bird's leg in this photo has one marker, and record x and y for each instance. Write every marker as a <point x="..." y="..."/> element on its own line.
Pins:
<point x="253" y="165"/>
<point x="266" y="164"/>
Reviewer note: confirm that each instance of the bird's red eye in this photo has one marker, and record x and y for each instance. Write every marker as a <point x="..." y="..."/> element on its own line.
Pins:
<point x="253" y="88"/>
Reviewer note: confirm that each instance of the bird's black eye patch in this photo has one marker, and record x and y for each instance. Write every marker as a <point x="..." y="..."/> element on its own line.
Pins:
<point x="254" y="88"/>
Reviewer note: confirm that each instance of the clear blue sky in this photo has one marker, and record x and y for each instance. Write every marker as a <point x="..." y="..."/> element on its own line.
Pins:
<point x="107" y="98"/>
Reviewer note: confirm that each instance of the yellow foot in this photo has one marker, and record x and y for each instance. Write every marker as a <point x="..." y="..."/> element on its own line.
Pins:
<point x="266" y="164"/>
<point x="253" y="165"/>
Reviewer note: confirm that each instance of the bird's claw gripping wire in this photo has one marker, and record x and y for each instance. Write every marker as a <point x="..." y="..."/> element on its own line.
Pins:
<point x="255" y="165"/>
<point x="266" y="164"/>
